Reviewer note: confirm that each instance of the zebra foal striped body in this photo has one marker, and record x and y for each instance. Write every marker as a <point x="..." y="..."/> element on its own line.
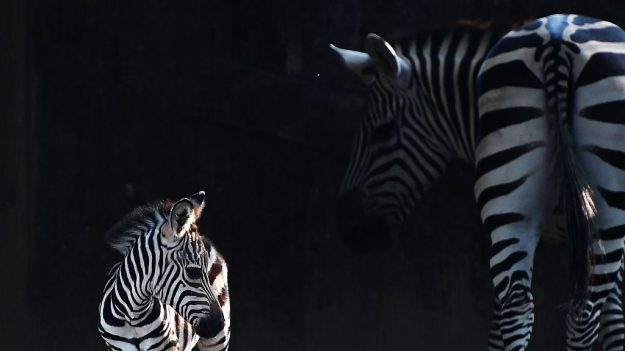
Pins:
<point x="541" y="114"/>
<point x="169" y="289"/>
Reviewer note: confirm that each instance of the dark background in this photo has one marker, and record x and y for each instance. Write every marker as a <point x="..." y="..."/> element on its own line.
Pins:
<point x="108" y="104"/>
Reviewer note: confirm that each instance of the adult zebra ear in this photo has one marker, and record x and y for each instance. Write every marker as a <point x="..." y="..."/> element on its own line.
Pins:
<point x="184" y="213"/>
<point x="357" y="62"/>
<point x="385" y="58"/>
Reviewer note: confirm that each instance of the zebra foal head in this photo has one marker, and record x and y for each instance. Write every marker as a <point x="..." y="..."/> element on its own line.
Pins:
<point x="165" y="259"/>
<point x="386" y="172"/>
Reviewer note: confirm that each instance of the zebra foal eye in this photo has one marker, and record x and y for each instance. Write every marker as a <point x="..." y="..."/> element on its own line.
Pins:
<point x="194" y="272"/>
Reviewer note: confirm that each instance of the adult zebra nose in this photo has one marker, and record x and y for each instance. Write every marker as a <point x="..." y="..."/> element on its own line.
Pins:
<point x="359" y="230"/>
<point x="208" y="327"/>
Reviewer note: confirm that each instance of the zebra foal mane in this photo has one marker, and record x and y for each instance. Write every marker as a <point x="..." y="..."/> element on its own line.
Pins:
<point x="127" y="230"/>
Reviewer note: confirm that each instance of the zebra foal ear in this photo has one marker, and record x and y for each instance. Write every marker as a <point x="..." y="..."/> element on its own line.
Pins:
<point x="385" y="57"/>
<point x="185" y="212"/>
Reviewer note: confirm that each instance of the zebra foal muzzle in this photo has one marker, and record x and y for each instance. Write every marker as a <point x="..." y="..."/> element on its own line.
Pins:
<point x="209" y="327"/>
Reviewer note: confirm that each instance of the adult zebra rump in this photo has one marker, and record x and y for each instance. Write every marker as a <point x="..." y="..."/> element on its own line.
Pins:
<point x="546" y="143"/>
<point x="159" y="296"/>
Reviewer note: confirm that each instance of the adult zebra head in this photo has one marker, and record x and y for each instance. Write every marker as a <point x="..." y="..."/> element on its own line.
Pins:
<point x="396" y="156"/>
<point x="165" y="259"/>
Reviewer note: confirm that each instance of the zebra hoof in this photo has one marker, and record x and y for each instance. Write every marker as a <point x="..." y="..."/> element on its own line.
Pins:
<point x="580" y="310"/>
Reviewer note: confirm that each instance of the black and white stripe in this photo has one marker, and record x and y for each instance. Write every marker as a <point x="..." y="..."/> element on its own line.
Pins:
<point x="541" y="114"/>
<point x="159" y="297"/>
<point x="218" y="280"/>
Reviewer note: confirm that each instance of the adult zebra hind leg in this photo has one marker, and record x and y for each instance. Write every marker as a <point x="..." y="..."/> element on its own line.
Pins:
<point x="513" y="186"/>
<point x="598" y="125"/>
<point x="602" y="317"/>
<point x="612" y="330"/>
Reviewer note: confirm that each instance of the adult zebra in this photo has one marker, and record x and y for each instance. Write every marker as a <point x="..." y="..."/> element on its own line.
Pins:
<point x="547" y="141"/>
<point x="159" y="297"/>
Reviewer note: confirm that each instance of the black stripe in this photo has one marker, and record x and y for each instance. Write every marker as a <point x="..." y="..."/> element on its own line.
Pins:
<point x="606" y="35"/>
<point x="618" y="342"/>
<point x="599" y="279"/>
<point x="429" y="159"/>
<point x="465" y="82"/>
<point x="495" y="221"/>
<point x="602" y="65"/>
<point x="499" y="246"/>
<point x="613" y="157"/>
<point x="508" y="263"/>
<point x="582" y="20"/>
<point x="498" y="191"/>
<point x="617" y="232"/>
<point x="384" y="169"/>
<point x="613" y="198"/>
<point x="501" y="158"/>
<point x="498" y="119"/>
<point x="508" y="44"/>
<point x="515" y="337"/>
<point x="608" y="112"/>
<point x="513" y="73"/>
<point x="503" y="284"/>
<point x="449" y="63"/>
<point x="609" y="257"/>
<point x="214" y="271"/>
<point x="599" y="295"/>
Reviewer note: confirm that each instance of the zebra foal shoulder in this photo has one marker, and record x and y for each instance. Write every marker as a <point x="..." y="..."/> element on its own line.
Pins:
<point x="159" y="296"/>
<point x="539" y="110"/>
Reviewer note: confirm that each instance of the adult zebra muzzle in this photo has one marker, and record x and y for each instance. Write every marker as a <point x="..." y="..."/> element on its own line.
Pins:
<point x="360" y="230"/>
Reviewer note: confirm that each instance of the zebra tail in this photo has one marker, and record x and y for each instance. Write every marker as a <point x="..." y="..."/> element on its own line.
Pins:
<point x="576" y="192"/>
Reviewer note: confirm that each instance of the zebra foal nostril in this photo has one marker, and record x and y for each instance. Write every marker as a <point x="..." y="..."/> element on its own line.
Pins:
<point x="208" y="327"/>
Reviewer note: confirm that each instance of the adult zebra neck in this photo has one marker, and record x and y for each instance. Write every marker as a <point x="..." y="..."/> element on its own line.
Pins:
<point x="444" y="65"/>
<point x="422" y="112"/>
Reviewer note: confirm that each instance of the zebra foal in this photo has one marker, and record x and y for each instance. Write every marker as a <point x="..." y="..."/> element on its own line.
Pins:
<point x="170" y="289"/>
<point x="540" y="112"/>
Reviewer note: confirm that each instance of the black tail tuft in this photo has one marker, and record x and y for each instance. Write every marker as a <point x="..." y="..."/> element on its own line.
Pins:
<point x="579" y="211"/>
<point x="576" y="192"/>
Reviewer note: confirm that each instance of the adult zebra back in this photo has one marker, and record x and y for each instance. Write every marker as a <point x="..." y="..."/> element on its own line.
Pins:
<point x="547" y="141"/>
<point x="159" y="297"/>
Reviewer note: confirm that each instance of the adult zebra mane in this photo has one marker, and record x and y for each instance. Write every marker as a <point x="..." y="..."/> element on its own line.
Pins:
<point x="127" y="230"/>
<point x="497" y="25"/>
